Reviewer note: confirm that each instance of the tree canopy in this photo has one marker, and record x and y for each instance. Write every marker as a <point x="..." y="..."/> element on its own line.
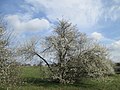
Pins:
<point x="74" y="54"/>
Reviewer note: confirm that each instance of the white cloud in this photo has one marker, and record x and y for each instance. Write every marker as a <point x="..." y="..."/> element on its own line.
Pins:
<point x="97" y="36"/>
<point x="26" y="23"/>
<point x="117" y="1"/>
<point x="116" y="44"/>
<point x="115" y="51"/>
<point x="85" y="13"/>
<point x="112" y="11"/>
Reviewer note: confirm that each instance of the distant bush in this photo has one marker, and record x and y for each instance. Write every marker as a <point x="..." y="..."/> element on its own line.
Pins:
<point x="117" y="68"/>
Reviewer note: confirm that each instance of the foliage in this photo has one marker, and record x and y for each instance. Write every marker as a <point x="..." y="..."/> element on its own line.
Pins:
<point x="9" y="71"/>
<point x="74" y="55"/>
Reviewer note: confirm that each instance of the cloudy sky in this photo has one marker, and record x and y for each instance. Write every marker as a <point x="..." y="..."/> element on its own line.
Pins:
<point x="99" y="19"/>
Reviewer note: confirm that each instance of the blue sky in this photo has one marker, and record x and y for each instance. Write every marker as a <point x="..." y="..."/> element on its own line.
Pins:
<point x="100" y="19"/>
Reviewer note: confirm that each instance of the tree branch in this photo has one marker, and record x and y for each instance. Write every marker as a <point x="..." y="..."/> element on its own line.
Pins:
<point x="44" y="61"/>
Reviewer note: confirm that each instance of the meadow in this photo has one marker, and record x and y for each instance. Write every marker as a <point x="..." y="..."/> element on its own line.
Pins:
<point x="36" y="79"/>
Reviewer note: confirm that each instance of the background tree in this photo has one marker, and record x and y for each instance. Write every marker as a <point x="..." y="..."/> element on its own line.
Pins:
<point x="9" y="72"/>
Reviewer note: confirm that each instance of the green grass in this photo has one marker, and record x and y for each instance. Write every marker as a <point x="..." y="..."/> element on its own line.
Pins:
<point x="35" y="72"/>
<point x="36" y="80"/>
<point x="30" y="72"/>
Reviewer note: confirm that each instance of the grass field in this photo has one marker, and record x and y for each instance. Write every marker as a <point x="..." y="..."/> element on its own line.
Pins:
<point x="35" y="78"/>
